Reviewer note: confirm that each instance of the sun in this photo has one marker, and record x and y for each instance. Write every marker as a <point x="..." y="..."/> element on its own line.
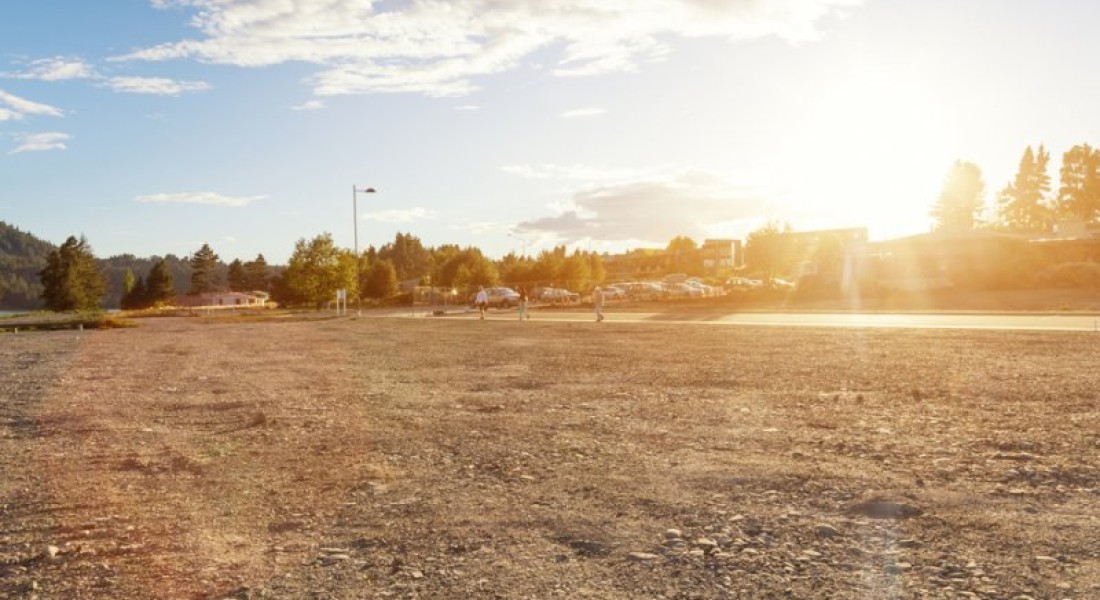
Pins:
<point x="877" y="145"/>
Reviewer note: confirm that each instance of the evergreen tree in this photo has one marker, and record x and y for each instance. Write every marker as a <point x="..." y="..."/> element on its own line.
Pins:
<point x="72" y="279"/>
<point x="257" y="274"/>
<point x="1022" y="205"/>
<point x="962" y="199"/>
<point x="136" y="297"/>
<point x="204" y="264"/>
<point x="159" y="288"/>
<point x="237" y="277"/>
<point x="1079" y="191"/>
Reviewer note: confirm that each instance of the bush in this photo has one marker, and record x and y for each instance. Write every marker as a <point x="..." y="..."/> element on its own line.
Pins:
<point x="1071" y="275"/>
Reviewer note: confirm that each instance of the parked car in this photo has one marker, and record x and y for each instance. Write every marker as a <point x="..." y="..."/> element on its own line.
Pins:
<point x="558" y="296"/>
<point x="682" y="290"/>
<point x="614" y="292"/>
<point x="645" y="290"/>
<point x="499" y="297"/>
<point x="744" y="284"/>
<point x="780" y="284"/>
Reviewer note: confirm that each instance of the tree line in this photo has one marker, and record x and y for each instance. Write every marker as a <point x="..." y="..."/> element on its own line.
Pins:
<point x="1025" y="204"/>
<point x="73" y="279"/>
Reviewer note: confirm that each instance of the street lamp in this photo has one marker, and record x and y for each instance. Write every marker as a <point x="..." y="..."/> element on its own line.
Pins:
<point x="358" y="262"/>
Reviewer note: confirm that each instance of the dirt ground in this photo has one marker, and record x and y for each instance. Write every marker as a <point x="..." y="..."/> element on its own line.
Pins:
<point x="448" y="458"/>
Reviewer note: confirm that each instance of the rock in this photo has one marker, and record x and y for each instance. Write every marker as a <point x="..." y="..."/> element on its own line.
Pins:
<point x="811" y="553"/>
<point x="827" y="531"/>
<point x="878" y="508"/>
<point x="642" y="557"/>
<point x="673" y="533"/>
<point x="706" y="543"/>
<point x="897" y="568"/>
<point x="52" y="551"/>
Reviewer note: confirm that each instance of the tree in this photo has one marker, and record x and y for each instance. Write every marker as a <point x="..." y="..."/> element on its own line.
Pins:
<point x="686" y="256"/>
<point x="317" y="268"/>
<point x="72" y="279"/>
<point x="408" y="256"/>
<point x="1079" y="190"/>
<point x="962" y="199"/>
<point x="159" y="287"/>
<point x="1022" y="204"/>
<point x="769" y="249"/>
<point x="136" y="297"/>
<point x="257" y="274"/>
<point x="204" y="264"/>
<point x="381" y="280"/>
<point x="237" y="277"/>
<point x="127" y="282"/>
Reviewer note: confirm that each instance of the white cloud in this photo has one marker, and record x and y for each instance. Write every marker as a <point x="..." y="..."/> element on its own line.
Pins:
<point x="207" y="198"/>
<point x="19" y="107"/>
<point x="585" y="173"/>
<point x="309" y="105"/>
<point x="437" y="48"/>
<point x="155" y="85"/>
<point x="401" y="216"/>
<point x="39" y="142"/>
<point x="468" y="107"/>
<point x="581" y="113"/>
<point x="690" y="203"/>
<point x="57" y="68"/>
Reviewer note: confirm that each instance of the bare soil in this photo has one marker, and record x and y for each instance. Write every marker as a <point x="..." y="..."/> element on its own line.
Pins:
<point x="452" y="458"/>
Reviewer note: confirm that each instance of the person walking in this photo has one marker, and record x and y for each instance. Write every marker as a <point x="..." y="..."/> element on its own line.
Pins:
<point x="597" y="303"/>
<point x="482" y="301"/>
<point x="523" y="303"/>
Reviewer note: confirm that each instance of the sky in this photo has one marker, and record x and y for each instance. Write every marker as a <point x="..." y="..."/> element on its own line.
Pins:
<point x="155" y="126"/>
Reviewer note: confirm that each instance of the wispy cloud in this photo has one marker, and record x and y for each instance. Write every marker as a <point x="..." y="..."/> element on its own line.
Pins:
<point x="401" y="216"/>
<point x="57" y="68"/>
<point x="207" y="198"/>
<point x="158" y="86"/>
<point x="468" y="107"/>
<point x="439" y="48"/>
<point x="309" y="105"/>
<point x="20" y="107"/>
<point x="586" y="173"/>
<point x="582" y="113"/>
<point x="40" y="142"/>
<point x="689" y="203"/>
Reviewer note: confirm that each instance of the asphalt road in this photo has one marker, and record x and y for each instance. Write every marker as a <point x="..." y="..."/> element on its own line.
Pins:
<point x="1007" y="322"/>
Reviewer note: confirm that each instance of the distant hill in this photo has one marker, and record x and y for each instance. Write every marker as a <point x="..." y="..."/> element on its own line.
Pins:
<point x="22" y="256"/>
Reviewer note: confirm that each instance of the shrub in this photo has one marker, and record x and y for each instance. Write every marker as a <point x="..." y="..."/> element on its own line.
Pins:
<point x="1071" y="275"/>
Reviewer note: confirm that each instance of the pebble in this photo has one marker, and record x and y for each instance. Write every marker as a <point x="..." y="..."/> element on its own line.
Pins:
<point x="673" y="533"/>
<point x="826" y="531"/>
<point x="642" y="556"/>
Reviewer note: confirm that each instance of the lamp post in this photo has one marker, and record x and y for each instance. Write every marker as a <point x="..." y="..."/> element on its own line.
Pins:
<point x="355" y="228"/>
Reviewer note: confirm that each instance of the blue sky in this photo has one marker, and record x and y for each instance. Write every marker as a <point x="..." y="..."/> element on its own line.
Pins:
<point x="154" y="126"/>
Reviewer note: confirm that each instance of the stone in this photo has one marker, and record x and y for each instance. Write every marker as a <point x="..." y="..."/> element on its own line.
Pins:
<point x="673" y="533"/>
<point x="879" y="508"/>
<point x="642" y="557"/>
<point x="827" y="531"/>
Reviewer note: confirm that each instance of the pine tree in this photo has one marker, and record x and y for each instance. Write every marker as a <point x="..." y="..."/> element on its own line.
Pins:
<point x="256" y="272"/>
<point x="72" y="279"/>
<point x="136" y="297"/>
<point x="1022" y="205"/>
<point x="159" y="288"/>
<point x="1079" y="191"/>
<point x="962" y="199"/>
<point x="238" y="278"/>
<point x="203" y="266"/>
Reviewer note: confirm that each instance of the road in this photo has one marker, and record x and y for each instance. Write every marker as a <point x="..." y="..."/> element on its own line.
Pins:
<point x="1006" y="322"/>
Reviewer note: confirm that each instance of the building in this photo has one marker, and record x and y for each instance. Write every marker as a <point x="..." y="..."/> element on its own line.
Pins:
<point x="256" y="299"/>
<point x="722" y="256"/>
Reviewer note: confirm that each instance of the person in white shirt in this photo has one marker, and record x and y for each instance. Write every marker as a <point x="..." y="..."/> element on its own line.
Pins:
<point x="597" y="303"/>
<point x="482" y="301"/>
